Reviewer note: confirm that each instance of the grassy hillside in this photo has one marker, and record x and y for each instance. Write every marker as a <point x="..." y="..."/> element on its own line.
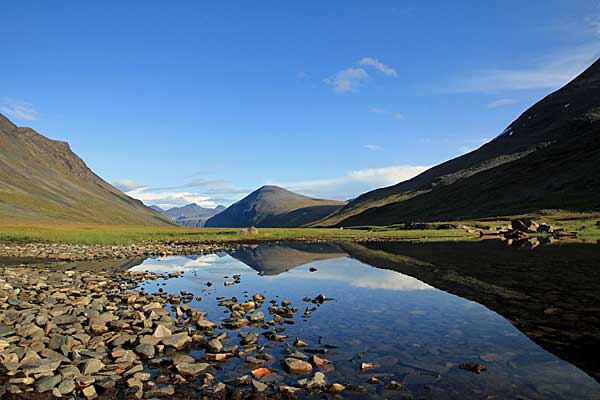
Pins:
<point x="43" y="181"/>
<point x="272" y="206"/>
<point x="546" y="159"/>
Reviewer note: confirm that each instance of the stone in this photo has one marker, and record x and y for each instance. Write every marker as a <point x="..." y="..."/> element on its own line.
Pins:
<point x="67" y="386"/>
<point x="42" y="366"/>
<point x="205" y="325"/>
<point x="145" y="350"/>
<point x="300" y="343"/>
<point x="322" y="364"/>
<point x="48" y="383"/>
<point x="259" y="386"/>
<point x="161" y="331"/>
<point x="214" y="346"/>
<point x="191" y="369"/>
<point x="337" y="388"/>
<point x="257" y="316"/>
<point x="178" y="341"/>
<point x="92" y="366"/>
<point x="393" y="385"/>
<point x="295" y="366"/>
<point x="317" y="381"/>
<point x="473" y="367"/>
<point x="366" y="366"/>
<point x="90" y="392"/>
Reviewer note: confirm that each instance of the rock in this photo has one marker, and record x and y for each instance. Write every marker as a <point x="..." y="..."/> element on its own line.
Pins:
<point x="544" y="228"/>
<point x="214" y="346"/>
<point x="320" y="299"/>
<point x="192" y="369"/>
<point x="89" y="392"/>
<point x="300" y="343"/>
<point x="178" y="341"/>
<point x="161" y="331"/>
<point x="473" y="367"/>
<point x="42" y="366"/>
<point x="374" y="380"/>
<point x="205" y="325"/>
<point x="48" y="383"/>
<point x="67" y="386"/>
<point x="524" y="225"/>
<point x="259" y="386"/>
<point x="295" y="366"/>
<point x="337" y="388"/>
<point x="145" y="350"/>
<point x="393" y="385"/>
<point x="92" y="366"/>
<point x="366" y="366"/>
<point x="260" y="372"/>
<point x="317" y="381"/>
<point x="322" y="364"/>
<point x="161" y="392"/>
<point x="257" y="316"/>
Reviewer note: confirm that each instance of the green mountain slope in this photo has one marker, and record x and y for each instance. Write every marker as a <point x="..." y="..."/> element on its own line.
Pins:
<point x="549" y="158"/>
<point x="43" y="181"/>
<point x="275" y="207"/>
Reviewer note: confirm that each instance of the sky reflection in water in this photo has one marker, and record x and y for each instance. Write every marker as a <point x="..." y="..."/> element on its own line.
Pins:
<point x="418" y="334"/>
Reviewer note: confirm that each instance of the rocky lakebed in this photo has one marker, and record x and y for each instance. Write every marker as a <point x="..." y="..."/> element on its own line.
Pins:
<point x="276" y="320"/>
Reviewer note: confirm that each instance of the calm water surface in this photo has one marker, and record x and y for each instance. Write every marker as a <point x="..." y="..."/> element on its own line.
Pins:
<point x="418" y="335"/>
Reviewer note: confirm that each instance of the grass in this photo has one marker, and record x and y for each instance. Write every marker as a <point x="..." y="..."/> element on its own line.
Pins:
<point x="583" y="223"/>
<point x="119" y="235"/>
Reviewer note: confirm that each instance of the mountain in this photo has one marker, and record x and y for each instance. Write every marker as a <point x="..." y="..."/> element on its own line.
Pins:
<point x="272" y="206"/>
<point x="43" y="181"/>
<point x="276" y="258"/>
<point x="156" y="208"/>
<point x="548" y="158"/>
<point x="191" y="215"/>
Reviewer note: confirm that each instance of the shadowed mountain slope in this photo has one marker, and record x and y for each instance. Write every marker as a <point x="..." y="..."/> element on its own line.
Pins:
<point x="43" y="181"/>
<point x="546" y="159"/>
<point x="272" y="206"/>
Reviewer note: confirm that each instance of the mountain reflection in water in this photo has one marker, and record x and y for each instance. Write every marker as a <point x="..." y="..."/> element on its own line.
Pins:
<point x="394" y="312"/>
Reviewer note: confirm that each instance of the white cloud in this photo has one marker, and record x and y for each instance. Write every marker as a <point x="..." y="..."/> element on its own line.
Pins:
<point x="547" y="72"/>
<point x="356" y="182"/>
<point x="125" y="185"/>
<point x="383" y="111"/>
<point x="19" y="109"/>
<point x="375" y="63"/>
<point x="166" y="199"/>
<point x="351" y="79"/>
<point x="348" y="80"/>
<point x="373" y="147"/>
<point x="501" y="103"/>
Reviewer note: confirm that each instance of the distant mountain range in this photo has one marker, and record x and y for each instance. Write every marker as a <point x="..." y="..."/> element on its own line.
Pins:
<point x="273" y="206"/>
<point x="43" y="181"/>
<point x="191" y="215"/>
<point x="549" y="158"/>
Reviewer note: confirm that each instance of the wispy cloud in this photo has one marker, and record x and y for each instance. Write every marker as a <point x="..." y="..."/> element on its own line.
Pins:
<point x="548" y="72"/>
<point x="373" y="147"/>
<point x="375" y="63"/>
<point x="355" y="182"/>
<point x="383" y="111"/>
<point x="206" y="193"/>
<point x="166" y="199"/>
<point x="19" y="109"/>
<point x="353" y="78"/>
<point x="126" y="185"/>
<point x="501" y="103"/>
<point x="347" y="80"/>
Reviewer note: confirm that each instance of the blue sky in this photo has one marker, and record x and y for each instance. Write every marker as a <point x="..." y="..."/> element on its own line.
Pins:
<point x="206" y="101"/>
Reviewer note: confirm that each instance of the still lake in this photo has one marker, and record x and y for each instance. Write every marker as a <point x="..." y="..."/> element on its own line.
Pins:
<point x="416" y="334"/>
